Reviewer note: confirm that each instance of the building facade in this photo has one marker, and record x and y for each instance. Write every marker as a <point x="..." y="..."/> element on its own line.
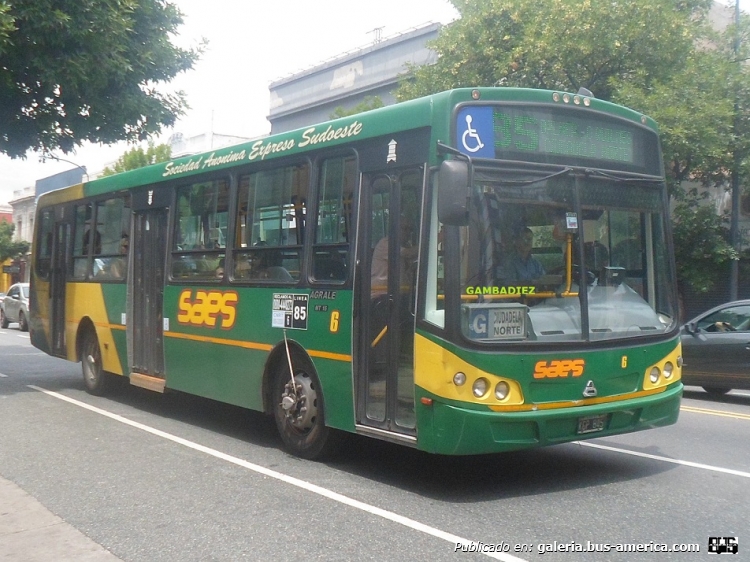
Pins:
<point x="311" y="96"/>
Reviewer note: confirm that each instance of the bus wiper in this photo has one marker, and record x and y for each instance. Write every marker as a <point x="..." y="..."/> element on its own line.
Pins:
<point x="599" y="173"/>
<point x="535" y="180"/>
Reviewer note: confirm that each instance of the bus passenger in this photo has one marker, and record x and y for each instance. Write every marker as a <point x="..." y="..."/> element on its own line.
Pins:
<point x="379" y="266"/>
<point x="118" y="266"/>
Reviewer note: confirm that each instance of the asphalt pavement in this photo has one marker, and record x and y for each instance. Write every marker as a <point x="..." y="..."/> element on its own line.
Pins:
<point x="29" y="532"/>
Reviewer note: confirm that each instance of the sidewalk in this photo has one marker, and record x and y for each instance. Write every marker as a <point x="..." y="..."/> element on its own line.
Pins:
<point x="29" y="532"/>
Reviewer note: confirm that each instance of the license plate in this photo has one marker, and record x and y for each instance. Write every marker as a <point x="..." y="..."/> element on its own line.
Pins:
<point x="589" y="424"/>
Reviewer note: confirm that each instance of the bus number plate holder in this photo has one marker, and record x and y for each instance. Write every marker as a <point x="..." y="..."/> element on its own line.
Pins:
<point x="590" y="424"/>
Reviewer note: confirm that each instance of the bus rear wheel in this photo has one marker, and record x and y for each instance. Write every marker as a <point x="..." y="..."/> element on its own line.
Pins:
<point x="298" y="412"/>
<point x="94" y="377"/>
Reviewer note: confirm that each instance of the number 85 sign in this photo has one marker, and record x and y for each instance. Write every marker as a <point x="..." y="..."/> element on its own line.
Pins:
<point x="290" y="311"/>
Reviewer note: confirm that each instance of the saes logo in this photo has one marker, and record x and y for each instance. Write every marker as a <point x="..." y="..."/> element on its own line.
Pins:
<point x="208" y="308"/>
<point x="559" y="368"/>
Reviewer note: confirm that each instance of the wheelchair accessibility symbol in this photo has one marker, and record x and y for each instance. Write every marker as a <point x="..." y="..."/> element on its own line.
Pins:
<point x="474" y="131"/>
<point x="470" y="139"/>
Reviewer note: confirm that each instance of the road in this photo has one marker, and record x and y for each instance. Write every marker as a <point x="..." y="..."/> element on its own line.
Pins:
<point x="172" y="477"/>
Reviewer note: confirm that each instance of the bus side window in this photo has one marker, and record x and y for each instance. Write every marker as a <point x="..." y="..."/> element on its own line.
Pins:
<point x="83" y="217"/>
<point x="333" y="227"/>
<point x="200" y="230"/>
<point x="271" y="219"/>
<point x="44" y="254"/>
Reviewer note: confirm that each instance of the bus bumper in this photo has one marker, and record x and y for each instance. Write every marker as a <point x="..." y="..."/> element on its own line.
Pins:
<point x="460" y="431"/>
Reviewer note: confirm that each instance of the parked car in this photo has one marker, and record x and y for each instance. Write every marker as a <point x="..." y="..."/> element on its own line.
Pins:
<point x="716" y="348"/>
<point x="16" y="307"/>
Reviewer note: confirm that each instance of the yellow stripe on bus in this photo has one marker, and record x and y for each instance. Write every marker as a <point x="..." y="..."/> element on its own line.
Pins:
<point x="254" y="345"/>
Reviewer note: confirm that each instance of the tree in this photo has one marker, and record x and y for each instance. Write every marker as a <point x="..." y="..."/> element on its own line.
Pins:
<point x="560" y="44"/>
<point x="73" y="70"/>
<point x="138" y="158"/>
<point x="10" y="248"/>
<point x="703" y="249"/>
<point x="704" y="116"/>
<point x="368" y="103"/>
<point x="694" y="113"/>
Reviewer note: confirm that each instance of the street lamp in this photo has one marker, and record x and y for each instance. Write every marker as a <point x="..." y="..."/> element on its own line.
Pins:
<point x="82" y="168"/>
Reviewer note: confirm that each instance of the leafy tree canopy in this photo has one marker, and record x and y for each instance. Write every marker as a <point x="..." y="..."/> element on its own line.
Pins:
<point x="560" y="44"/>
<point x="138" y="158"/>
<point x="368" y="103"/>
<point x="10" y="248"/>
<point x="702" y="249"/>
<point x="75" y="70"/>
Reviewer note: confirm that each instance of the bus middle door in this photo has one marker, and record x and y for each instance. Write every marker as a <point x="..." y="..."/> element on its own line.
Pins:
<point x="149" y="257"/>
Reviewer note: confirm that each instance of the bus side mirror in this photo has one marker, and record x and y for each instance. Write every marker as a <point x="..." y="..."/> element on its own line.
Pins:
<point x="691" y="328"/>
<point x="453" y="192"/>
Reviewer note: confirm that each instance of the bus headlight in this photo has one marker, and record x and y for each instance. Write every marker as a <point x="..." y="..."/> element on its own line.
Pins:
<point x="479" y="388"/>
<point x="501" y="390"/>
<point x="459" y="379"/>
<point x="668" y="369"/>
<point x="654" y="376"/>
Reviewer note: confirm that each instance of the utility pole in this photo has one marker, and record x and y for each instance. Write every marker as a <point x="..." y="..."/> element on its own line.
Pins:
<point x="734" y="229"/>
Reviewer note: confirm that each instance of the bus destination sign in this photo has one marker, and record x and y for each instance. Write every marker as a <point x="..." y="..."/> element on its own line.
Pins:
<point x="554" y="135"/>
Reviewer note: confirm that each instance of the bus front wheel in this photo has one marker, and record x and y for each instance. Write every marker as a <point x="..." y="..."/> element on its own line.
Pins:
<point x="94" y="377"/>
<point x="298" y="411"/>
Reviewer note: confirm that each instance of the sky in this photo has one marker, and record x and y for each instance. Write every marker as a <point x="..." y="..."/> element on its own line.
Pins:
<point x="248" y="48"/>
<point x="250" y="45"/>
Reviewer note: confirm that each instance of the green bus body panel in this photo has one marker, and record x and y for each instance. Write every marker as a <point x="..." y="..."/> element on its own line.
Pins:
<point x="228" y="364"/>
<point x="454" y="430"/>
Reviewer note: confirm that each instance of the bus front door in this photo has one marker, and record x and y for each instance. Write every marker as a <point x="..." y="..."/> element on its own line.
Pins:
<point x="385" y="392"/>
<point x="149" y="254"/>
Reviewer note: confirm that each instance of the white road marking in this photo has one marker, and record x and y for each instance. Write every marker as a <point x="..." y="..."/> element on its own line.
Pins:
<point x="2" y="376"/>
<point x="389" y="515"/>
<point x="666" y="459"/>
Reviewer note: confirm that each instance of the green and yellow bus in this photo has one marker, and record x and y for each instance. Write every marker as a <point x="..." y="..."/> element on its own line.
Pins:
<point x="261" y="275"/>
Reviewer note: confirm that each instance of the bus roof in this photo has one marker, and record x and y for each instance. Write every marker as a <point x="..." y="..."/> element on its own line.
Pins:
<point x="403" y="116"/>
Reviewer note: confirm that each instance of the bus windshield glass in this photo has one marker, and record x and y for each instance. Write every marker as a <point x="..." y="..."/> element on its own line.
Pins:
<point x="567" y="258"/>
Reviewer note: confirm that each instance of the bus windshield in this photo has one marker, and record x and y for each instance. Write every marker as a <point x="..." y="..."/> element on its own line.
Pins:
<point x="565" y="257"/>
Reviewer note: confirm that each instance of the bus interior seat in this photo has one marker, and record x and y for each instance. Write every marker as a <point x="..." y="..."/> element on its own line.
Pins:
<point x="328" y="269"/>
<point x="276" y="273"/>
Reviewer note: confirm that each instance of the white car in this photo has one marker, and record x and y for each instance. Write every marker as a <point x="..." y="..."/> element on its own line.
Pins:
<point x="16" y="307"/>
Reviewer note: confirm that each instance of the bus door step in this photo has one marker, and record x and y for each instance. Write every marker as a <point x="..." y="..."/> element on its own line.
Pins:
<point x="148" y="382"/>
